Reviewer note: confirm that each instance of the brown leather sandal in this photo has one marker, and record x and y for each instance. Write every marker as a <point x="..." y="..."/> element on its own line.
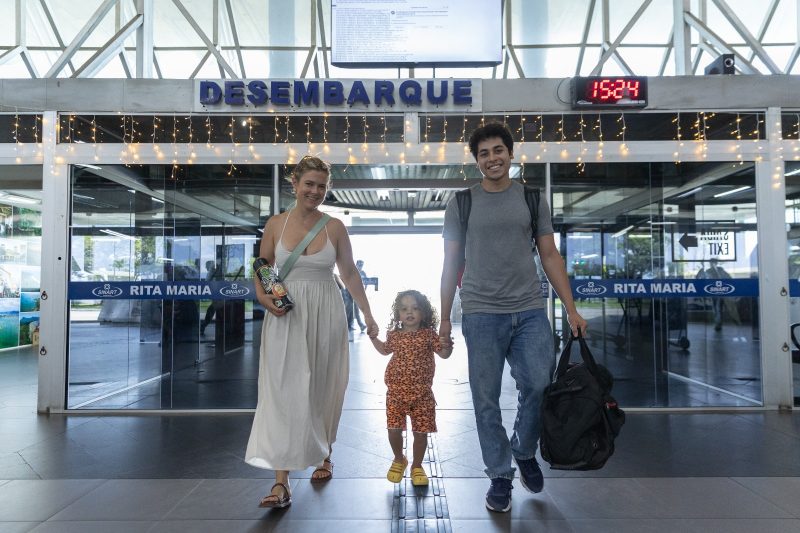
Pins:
<point x="279" y="502"/>
<point x="325" y="472"/>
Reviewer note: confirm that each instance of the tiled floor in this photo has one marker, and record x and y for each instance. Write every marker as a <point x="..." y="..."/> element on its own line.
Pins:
<point x="727" y="473"/>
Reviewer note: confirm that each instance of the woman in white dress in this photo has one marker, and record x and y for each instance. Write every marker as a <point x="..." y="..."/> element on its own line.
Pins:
<point x="304" y="361"/>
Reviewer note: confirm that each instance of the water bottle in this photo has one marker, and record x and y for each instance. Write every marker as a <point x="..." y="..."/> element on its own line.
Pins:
<point x="272" y="284"/>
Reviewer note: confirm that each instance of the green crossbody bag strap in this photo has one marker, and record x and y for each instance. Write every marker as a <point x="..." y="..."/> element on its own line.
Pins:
<point x="290" y="261"/>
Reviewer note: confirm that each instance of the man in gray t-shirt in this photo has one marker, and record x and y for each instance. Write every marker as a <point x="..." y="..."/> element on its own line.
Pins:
<point x="503" y="310"/>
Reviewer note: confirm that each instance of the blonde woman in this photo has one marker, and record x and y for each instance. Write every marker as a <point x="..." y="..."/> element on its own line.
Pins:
<point x="304" y="362"/>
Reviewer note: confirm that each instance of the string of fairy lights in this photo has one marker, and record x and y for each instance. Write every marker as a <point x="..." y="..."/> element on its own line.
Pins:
<point x="533" y="133"/>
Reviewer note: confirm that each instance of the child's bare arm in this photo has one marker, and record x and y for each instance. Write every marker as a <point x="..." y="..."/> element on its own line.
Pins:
<point x="445" y="352"/>
<point x="443" y="346"/>
<point x="380" y="346"/>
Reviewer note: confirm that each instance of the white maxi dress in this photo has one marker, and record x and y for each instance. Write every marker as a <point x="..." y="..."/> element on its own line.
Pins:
<point x="303" y="368"/>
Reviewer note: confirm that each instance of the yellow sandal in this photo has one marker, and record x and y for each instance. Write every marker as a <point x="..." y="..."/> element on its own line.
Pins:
<point x="418" y="477"/>
<point x="397" y="471"/>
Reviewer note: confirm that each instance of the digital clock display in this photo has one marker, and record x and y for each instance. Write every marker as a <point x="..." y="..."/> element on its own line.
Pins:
<point x="609" y="92"/>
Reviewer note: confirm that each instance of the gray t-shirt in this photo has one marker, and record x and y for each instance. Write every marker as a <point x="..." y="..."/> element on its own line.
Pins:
<point x="500" y="274"/>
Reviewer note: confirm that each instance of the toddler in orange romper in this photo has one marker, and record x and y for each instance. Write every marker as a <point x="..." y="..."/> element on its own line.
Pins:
<point x="412" y="337"/>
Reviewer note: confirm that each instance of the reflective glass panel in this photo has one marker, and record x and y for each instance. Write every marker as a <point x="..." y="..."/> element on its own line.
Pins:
<point x="158" y="255"/>
<point x="665" y="257"/>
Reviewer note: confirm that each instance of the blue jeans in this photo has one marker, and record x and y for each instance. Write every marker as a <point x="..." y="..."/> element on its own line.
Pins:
<point x="526" y="340"/>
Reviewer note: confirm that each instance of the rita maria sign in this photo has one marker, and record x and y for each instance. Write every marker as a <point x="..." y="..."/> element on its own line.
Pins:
<point x="333" y="95"/>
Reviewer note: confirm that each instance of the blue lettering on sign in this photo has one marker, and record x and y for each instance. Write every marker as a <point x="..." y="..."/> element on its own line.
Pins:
<point x="663" y="288"/>
<point x="411" y="92"/>
<point x="590" y="290"/>
<point x="432" y="98"/>
<point x="384" y="90"/>
<point x="333" y="92"/>
<point x="107" y="291"/>
<point x="234" y="92"/>
<point x="280" y="92"/>
<point x="719" y="288"/>
<point x="158" y="290"/>
<point x="462" y="92"/>
<point x="235" y="290"/>
<point x="358" y="94"/>
<point x="307" y="93"/>
<point x="258" y="92"/>
<point x="210" y="93"/>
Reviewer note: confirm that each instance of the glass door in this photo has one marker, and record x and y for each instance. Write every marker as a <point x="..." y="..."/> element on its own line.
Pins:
<point x="662" y="257"/>
<point x="792" y="173"/>
<point x="162" y="313"/>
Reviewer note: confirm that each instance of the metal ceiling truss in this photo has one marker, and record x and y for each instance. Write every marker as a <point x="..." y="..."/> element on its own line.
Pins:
<point x="134" y="21"/>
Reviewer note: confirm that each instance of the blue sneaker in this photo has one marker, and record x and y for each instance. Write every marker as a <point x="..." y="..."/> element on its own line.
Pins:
<point x="498" y="499"/>
<point x="530" y="475"/>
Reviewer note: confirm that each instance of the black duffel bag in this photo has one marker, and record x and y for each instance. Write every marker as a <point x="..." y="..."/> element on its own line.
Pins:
<point x="579" y="417"/>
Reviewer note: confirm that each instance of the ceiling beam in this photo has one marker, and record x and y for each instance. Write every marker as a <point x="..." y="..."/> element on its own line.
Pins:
<point x="232" y="22"/>
<point x="745" y="66"/>
<point x="612" y="48"/>
<point x="681" y="38"/>
<point x="144" y="39"/>
<point x="587" y="24"/>
<point x="747" y="36"/>
<point x="81" y="37"/>
<point x="223" y="65"/>
<point x="57" y="34"/>
<point x="100" y="58"/>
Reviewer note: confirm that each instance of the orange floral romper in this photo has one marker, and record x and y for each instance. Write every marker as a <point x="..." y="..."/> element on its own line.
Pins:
<point x="409" y="378"/>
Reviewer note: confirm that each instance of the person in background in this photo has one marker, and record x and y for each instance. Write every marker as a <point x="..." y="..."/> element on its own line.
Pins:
<point x="356" y="310"/>
<point x="719" y="303"/>
<point x="212" y="272"/>
<point x="304" y="355"/>
<point x="413" y="339"/>
<point x="503" y="311"/>
<point x="347" y="298"/>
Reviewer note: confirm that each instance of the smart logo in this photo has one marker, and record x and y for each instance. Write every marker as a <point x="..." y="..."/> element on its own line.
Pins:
<point x="590" y="289"/>
<point x="234" y="291"/>
<point x="719" y="288"/>
<point x="107" y="291"/>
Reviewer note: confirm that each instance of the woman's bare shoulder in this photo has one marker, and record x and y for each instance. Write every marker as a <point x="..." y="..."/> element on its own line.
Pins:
<point x="275" y="220"/>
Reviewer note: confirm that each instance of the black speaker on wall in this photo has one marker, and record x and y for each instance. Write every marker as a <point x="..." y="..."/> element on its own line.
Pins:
<point x="724" y="64"/>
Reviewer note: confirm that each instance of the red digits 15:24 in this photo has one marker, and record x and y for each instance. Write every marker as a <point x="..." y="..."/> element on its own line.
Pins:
<point x="608" y="90"/>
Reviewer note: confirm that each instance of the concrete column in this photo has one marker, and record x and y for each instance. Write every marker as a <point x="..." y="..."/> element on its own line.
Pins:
<point x="54" y="273"/>
<point x="773" y="270"/>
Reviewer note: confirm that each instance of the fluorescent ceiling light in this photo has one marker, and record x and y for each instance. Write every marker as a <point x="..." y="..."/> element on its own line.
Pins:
<point x="793" y="172"/>
<point x="18" y="199"/>
<point x="93" y="167"/>
<point x="641" y="236"/>
<point x="621" y="232"/>
<point x="117" y="234"/>
<point x="83" y="196"/>
<point x="732" y="191"/>
<point x="580" y="237"/>
<point x="383" y="194"/>
<point x="661" y="223"/>
<point x="589" y="256"/>
<point x="690" y="192"/>
<point x="378" y="173"/>
<point x="159" y="200"/>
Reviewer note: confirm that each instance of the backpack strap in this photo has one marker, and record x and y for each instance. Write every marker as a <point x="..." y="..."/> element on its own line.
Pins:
<point x="464" y="201"/>
<point x="532" y="199"/>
